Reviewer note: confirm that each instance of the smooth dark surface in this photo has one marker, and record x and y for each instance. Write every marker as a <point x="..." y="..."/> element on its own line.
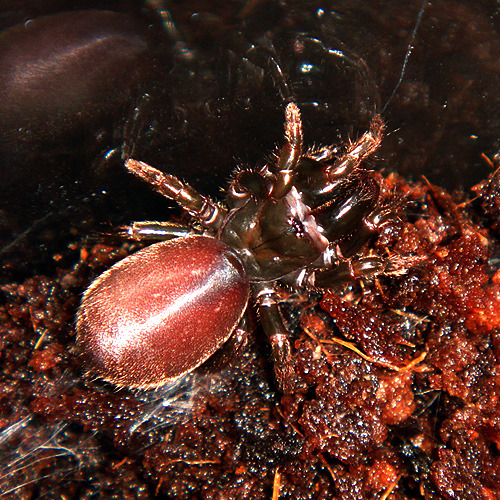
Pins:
<point x="162" y="311"/>
<point x="61" y="76"/>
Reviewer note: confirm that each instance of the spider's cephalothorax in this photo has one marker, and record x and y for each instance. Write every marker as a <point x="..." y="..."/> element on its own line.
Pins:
<point x="301" y="220"/>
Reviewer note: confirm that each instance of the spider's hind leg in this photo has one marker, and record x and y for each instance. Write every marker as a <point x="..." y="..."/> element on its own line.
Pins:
<point x="274" y="328"/>
<point x="155" y="231"/>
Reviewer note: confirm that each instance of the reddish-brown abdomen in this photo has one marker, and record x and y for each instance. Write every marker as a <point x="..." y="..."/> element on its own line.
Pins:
<point x="162" y="311"/>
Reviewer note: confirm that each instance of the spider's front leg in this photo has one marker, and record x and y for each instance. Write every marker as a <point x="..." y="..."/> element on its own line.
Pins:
<point x="270" y="317"/>
<point x="355" y="154"/>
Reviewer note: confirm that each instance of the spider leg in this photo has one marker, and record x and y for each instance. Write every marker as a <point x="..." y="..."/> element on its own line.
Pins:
<point x="272" y="322"/>
<point x="290" y="153"/>
<point x="208" y="213"/>
<point x="367" y="144"/>
<point x="345" y="271"/>
<point x="373" y="223"/>
<point x="155" y="231"/>
<point x="360" y="268"/>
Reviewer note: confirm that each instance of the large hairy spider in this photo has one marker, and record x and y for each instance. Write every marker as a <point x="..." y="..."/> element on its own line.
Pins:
<point x="301" y="220"/>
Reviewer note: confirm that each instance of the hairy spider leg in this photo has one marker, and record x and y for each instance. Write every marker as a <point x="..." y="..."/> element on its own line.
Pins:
<point x="207" y="212"/>
<point x="345" y="272"/>
<point x="356" y="153"/>
<point x="354" y="269"/>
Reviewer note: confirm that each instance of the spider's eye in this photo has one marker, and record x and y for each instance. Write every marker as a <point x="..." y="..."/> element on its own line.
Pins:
<point x="297" y="227"/>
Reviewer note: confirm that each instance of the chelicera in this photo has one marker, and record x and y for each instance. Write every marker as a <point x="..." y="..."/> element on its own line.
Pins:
<point x="301" y="220"/>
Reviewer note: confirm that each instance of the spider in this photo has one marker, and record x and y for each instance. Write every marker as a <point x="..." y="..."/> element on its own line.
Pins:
<point x="301" y="220"/>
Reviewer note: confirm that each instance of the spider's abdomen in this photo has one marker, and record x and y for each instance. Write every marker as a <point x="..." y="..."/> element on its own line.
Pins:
<point x="162" y="311"/>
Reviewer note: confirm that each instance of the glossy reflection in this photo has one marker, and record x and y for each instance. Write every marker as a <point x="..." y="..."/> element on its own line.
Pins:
<point x="162" y="312"/>
<point x="61" y="78"/>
